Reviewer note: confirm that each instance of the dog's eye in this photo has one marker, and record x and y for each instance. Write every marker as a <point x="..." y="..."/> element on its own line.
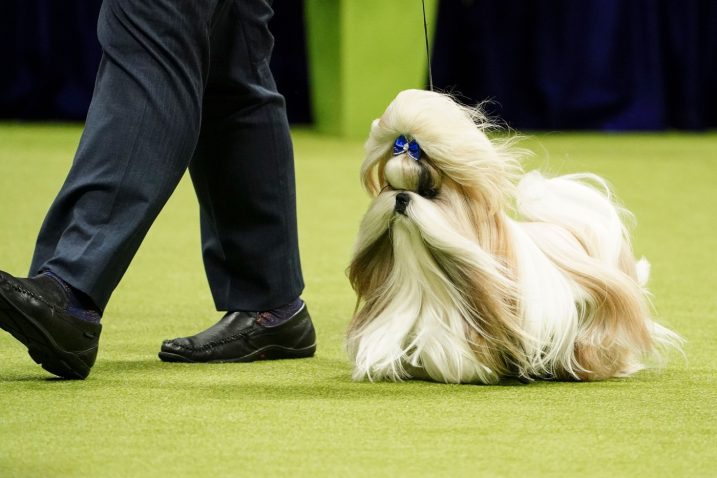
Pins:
<point x="428" y="193"/>
<point x="426" y="183"/>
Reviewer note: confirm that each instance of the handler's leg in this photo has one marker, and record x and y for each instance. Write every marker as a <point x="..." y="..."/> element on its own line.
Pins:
<point x="243" y="173"/>
<point x="141" y="131"/>
<point x="243" y="170"/>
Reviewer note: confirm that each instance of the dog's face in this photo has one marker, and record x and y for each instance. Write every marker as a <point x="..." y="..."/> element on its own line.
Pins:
<point x="415" y="191"/>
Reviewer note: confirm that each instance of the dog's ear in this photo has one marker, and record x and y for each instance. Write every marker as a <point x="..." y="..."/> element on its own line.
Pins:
<point x="368" y="272"/>
<point x="377" y="148"/>
<point x="492" y="326"/>
<point x="373" y="254"/>
<point x="371" y="266"/>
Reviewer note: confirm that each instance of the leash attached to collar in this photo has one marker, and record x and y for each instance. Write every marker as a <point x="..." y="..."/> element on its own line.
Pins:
<point x="428" y="52"/>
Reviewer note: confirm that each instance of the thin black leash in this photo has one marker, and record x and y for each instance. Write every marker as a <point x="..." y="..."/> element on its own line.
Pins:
<point x="428" y="52"/>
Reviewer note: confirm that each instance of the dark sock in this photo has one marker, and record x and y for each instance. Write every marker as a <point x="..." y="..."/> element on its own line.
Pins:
<point x="274" y="317"/>
<point x="79" y="305"/>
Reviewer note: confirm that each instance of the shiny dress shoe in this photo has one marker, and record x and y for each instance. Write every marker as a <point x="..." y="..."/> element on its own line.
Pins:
<point x="34" y="311"/>
<point x="241" y="337"/>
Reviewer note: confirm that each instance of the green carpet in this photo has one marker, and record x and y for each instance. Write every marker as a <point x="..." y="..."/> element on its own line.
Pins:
<point x="136" y="416"/>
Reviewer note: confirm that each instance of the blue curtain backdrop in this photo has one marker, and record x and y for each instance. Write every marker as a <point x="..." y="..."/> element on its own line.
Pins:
<point x="598" y="64"/>
<point x="547" y="64"/>
<point x="49" y="55"/>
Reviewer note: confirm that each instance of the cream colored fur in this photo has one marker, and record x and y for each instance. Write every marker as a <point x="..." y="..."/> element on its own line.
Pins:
<point x="492" y="272"/>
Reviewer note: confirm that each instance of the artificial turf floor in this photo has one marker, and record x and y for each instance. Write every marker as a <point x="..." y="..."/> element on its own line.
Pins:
<point x="137" y="416"/>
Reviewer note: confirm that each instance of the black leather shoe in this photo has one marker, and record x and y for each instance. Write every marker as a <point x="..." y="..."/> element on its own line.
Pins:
<point x="34" y="312"/>
<point x="240" y="337"/>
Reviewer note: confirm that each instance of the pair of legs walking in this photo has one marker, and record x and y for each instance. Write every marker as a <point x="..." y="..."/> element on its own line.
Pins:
<point x="182" y="84"/>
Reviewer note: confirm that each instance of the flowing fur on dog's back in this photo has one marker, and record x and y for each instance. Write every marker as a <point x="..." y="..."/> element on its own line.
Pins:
<point x="574" y="221"/>
<point x="500" y="273"/>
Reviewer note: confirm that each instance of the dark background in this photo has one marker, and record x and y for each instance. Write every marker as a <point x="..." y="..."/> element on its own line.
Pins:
<point x="588" y="64"/>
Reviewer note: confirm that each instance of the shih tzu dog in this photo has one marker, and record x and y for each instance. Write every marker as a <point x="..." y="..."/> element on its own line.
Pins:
<point x="467" y="270"/>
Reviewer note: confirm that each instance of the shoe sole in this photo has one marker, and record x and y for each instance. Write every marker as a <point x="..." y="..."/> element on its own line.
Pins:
<point x="40" y="345"/>
<point x="270" y="352"/>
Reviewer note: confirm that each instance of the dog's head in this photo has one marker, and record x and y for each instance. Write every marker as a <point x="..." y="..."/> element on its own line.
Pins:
<point x="425" y="143"/>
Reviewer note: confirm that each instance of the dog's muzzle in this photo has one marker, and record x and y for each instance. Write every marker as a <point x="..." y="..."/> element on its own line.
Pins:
<point x="402" y="200"/>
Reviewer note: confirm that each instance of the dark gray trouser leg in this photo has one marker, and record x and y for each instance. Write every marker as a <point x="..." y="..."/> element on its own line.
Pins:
<point x="243" y="169"/>
<point x="141" y="130"/>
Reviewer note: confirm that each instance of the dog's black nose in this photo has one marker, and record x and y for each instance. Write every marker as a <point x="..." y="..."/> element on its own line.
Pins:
<point x="402" y="200"/>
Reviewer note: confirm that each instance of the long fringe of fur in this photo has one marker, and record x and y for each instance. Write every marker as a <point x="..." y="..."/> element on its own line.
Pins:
<point x="501" y="273"/>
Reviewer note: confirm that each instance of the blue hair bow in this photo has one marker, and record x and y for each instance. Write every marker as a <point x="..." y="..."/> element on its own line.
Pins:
<point x="402" y="145"/>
